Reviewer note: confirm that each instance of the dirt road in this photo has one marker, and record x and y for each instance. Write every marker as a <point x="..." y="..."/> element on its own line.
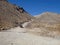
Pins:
<point x="19" y="36"/>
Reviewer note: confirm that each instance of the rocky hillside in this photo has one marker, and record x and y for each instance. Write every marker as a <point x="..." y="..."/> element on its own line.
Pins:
<point x="49" y="24"/>
<point x="12" y="15"/>
<point x="47" y="19"/>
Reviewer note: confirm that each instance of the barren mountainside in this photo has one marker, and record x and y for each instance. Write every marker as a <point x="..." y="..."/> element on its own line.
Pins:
<point x="12" y="15"/>
<point x="49" y="24"/>
<point x="47" y="19"/>
<point x="18" y="27"/>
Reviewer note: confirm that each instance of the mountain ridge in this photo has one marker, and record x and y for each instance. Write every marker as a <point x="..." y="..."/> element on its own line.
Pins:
<point x="46" y="14"/>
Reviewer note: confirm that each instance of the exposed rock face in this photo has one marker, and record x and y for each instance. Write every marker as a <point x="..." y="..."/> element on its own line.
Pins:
<point x="12" y="15"/>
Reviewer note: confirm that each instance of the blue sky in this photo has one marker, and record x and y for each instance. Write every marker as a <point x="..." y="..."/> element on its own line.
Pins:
<point x="35" y="7"/>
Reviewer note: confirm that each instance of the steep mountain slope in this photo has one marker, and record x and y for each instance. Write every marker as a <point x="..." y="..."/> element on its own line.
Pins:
<point x="49" y="24"/>
<point x="47" y="19"/>
<point x="12" y="15"/>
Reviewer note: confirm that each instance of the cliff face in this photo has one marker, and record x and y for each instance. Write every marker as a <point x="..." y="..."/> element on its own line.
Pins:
<point x="12" y="15"/>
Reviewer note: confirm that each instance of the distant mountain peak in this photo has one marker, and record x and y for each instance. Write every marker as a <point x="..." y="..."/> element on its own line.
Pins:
<point x="48" y="13"/>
